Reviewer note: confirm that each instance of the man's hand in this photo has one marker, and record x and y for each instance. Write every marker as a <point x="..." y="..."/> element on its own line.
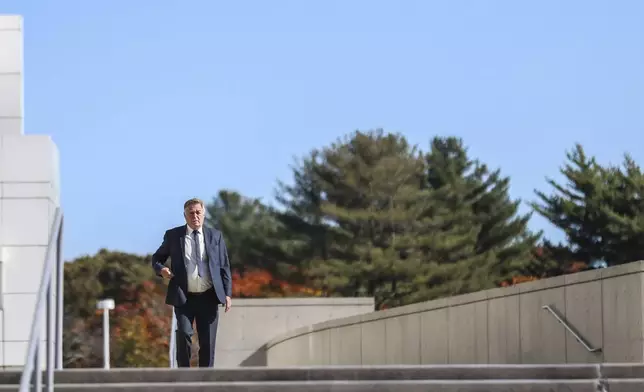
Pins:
<point x="166" y="273"/>
<point x="228" y="303"/>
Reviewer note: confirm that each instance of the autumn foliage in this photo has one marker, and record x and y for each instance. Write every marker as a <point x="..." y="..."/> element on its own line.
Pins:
<point x="258" y="283"/>
<point x="571" y="268"/>
<point x="142" y="327"/>
<point x="517" y="280"/>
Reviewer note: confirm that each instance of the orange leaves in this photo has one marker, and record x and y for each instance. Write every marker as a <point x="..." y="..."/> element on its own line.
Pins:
<point x="141" y="343"/>
<point x="571" y="268"/>
<point x="517" y="280"/>
<point x="259" y="283"/>
<point x="141" y="328"/>
<point x="252" y="284"/>
<point x="576" y="266"/>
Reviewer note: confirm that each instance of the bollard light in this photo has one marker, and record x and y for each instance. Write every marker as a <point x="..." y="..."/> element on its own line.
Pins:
<point x="106" y="305"/>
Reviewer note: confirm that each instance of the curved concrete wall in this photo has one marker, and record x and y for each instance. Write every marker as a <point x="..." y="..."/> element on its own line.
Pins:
<point x="504" y="325"/>
<point x="250" y="323"/>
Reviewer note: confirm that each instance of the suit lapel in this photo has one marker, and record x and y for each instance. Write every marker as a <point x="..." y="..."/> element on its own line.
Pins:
<point x="208" y="239"/>
<point x="182" y="241"/>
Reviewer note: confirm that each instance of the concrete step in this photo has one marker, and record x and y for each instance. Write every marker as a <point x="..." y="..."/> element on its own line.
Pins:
<point x="342" y="373"/>
<point x="623" y="385"/>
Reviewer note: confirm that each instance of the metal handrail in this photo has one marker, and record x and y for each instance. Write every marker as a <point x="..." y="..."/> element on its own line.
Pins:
<point x="571" y="330"/>
<point x="172" y="348"/>
<point x="32" y="372"/>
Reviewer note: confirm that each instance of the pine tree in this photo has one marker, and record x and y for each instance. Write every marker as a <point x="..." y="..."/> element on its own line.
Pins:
<point x="252" y="232"/>
<point x="370" y="183"/>
<point x="600" y="210"/>
<point x="385" y="233"/>
<point x="626" y="213"/>
<point x="304" y="235"/>
<point x="504" y="238"/>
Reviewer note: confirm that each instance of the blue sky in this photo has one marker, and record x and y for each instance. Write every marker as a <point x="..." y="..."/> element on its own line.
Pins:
<point x="138" y="93"/>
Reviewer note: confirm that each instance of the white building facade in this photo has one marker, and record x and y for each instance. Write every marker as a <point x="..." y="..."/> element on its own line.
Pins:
<point x="29" y="195"/>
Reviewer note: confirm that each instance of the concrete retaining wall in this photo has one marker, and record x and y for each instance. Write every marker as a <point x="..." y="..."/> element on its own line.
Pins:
<point x="504" y="325"/>
<point x="251" y="323"/>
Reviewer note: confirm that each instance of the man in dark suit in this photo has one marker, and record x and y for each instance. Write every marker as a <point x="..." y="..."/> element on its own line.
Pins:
<point x="199" y="281"/>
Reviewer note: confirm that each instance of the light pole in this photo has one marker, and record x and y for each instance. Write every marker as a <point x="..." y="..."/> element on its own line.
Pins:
<point x="106" y="305"/>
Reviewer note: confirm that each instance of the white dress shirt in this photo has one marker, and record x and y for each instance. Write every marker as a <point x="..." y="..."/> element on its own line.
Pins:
<point x="196" y="283"/>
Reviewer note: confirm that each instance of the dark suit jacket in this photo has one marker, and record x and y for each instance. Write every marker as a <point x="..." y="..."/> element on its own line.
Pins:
<point x="173" y="247"/>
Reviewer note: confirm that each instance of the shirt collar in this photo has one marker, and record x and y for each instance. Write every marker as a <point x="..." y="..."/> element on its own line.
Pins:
<point x="189" y="230"/>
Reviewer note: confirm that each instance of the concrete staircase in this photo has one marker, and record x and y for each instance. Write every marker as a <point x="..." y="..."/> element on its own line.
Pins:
<point x="445" y="378"/>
